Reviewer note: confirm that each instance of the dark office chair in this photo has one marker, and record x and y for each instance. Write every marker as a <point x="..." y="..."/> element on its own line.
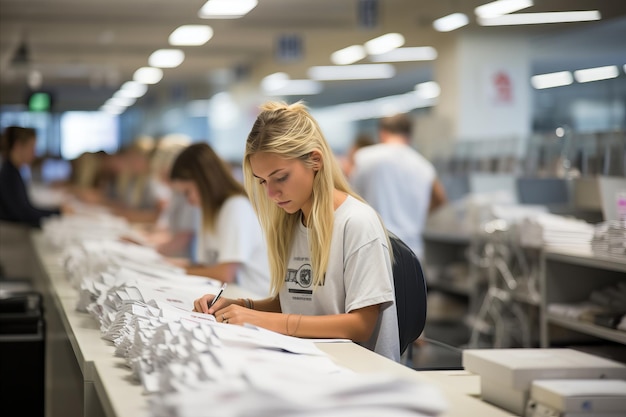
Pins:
<point x="410" y="290"/>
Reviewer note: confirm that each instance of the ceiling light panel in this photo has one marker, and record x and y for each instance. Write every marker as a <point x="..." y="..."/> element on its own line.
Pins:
<point x="133" y="89"/>
<point x="384" y="43"/>
<point x="596" y="74"/>
<point x="166" y="58"/>
<point x="554" y="79"/>
<point x="540" y="18"/>
<point x="191" y="35"/>
<point x="451" y="22"/>
<point x="417" y="53"/>
<point x="297" y="88"/>
<point x="226" y="9"/>
<point x="348" y="55"/>
<point x="148" y="75"/>
<point x="352" y="72"/>
<point x="501" y="7"/>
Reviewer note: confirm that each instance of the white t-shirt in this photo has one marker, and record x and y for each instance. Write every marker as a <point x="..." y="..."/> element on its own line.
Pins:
<point x="359" y="275"/>
<point x="179" y="215"/>
<point x="397" y="182"/>
<point x="238" y="238"/>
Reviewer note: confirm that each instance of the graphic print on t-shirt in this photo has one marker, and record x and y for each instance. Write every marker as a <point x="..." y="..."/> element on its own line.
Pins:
<point x="299" y="280"/>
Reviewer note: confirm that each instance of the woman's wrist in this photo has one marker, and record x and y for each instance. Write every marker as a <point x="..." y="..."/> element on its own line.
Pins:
<point x="247" y="303"/>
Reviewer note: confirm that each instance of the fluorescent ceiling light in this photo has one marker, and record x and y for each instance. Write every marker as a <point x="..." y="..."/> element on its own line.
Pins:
<point x="279" y="84"/>
<point x="554" y="79"/>
<point x="226" y="9"/>
<point x="417" y="53"/>
<point x="121" y="101"/>
<point x="352" y="72"/>
<point x="274" y="81"/>
<point x="428" y="90"/>
<point x="624" y="68"/>
<point x="148" y="75"/>
<point x="500" y="7"/>
<point x="111" y="109"/>
<point x="450" y="22"/>
<point x="191" y="35"/>
<point x="166" y="58"/>
<point x="540" y="18"/>
<point x="297" y="88"/>
<point x="384" y="43"/>
<point x="596" y="74"/>
<point x="375" y="109"/>
<point x="133" y="89"/>
<point x="348" y="55"/>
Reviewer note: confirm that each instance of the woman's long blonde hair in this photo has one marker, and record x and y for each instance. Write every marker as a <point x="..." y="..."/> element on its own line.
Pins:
<point x="199" y="163"/>
<point x="290" y="132"/>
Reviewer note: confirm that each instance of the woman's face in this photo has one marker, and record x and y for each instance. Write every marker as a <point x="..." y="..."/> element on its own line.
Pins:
<point x="25" y="151"/>
<point x="288" y="182"/>
<point x="189" y="189"/>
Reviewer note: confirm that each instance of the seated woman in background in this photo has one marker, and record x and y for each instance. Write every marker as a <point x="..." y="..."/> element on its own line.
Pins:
<point x="230" y="245"/>
<point x="18" y="149"/>
<point x="174" y="231"/>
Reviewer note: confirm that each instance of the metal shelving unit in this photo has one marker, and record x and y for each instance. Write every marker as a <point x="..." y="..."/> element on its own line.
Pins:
<point x="569" y="277"/>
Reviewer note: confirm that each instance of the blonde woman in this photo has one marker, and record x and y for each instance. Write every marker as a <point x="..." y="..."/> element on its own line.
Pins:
<point x="230" y="243"/>
<point x="331" y="274"/>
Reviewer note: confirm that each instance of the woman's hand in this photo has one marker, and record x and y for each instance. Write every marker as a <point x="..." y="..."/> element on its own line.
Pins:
<point x="201" y="305"/>
<point x="234" y="313"/>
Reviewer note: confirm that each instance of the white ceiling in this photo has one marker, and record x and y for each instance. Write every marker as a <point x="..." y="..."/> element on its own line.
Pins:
<point x="85" y="49"/>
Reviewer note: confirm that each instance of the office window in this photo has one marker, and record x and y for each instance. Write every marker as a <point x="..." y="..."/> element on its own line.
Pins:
<point x="88" y="132"/>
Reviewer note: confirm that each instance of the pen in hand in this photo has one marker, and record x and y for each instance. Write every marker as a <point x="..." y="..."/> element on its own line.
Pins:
<point x="218" y="295"/>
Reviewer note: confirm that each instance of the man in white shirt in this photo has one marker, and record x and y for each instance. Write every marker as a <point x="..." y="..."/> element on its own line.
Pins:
<point x="398" y="181"/>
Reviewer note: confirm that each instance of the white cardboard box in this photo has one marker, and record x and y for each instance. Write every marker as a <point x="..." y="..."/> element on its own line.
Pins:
<point x="583" y="396"/>
<point x="506" y="375"/>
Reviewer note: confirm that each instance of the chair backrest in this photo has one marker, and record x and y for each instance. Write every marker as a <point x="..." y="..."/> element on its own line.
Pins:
<point x="410" y="289"/>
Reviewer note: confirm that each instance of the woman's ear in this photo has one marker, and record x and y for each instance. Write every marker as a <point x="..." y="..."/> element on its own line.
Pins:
<point x="316" y="160"/>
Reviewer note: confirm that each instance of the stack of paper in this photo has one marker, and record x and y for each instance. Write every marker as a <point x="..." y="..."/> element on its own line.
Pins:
<point x="553" y="231"/>
<point x="283" y="391"/>
<point x="143" y="306"/>
<point x="73" y="228"/>
<point x="609" y="239"/>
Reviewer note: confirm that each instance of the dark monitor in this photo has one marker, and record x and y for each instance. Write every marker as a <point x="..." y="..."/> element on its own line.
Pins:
<point x="542" y="191"/>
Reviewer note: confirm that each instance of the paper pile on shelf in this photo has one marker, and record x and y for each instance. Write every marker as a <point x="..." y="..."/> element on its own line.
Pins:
<point x="606" y="306"/>
<point x="558" y="232"/>
<point x="609" y="239"/>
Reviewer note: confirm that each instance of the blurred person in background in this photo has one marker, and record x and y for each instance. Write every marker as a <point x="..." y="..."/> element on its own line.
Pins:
<point x="121" y="182"/>
<point x="362" y="140"/>
<point x="136" y="197"/>
<point x="230" y="243"/>
<point x="175" y="229"/>
<point x="17" y="145"/>
<point x="398" y="181"/>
